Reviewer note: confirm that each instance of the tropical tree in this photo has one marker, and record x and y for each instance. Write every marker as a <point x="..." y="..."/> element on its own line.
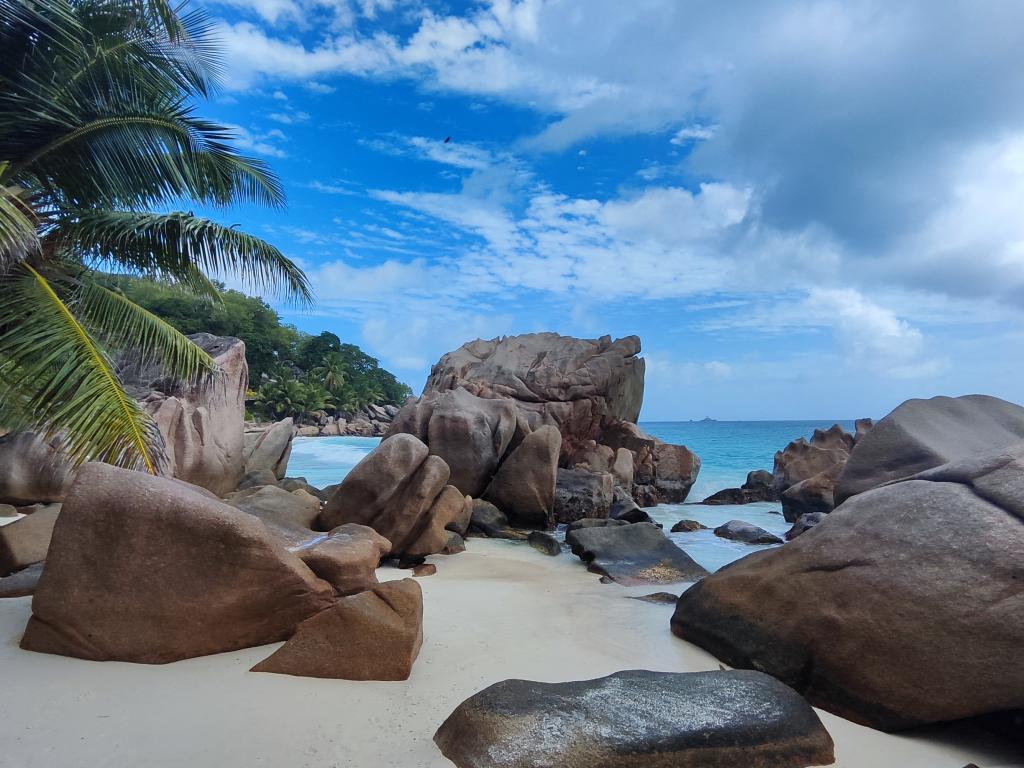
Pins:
<point x="332" y="372"/>
<point x="99" y="146"/>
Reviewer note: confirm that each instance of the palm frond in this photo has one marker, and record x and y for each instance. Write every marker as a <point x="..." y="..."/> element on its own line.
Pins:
<point x="175" y="245"/>
<point x="122" y="324"/>
<point x="18" y="234"/>
<point x="64" y="381"/>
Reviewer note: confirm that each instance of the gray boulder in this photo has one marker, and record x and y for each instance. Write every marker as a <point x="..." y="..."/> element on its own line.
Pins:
<point x="487" y="520"/>
<point x="804" y="523"/>
<point x="581" y="494"/>
<point x="26" y="540"/>
<point x="544" y="542"/>
<point x="629" y="554"/>
<point x="634" y="719"/>
<point x="748" y="533"/>
<point x="32" y="469"/>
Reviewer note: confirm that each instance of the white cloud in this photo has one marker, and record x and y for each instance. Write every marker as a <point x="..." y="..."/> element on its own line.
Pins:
<point x="262" y="143"/>
<point x="319" y="88"/>
<point x="289" y="118"/>
<point x="693" y="133"/>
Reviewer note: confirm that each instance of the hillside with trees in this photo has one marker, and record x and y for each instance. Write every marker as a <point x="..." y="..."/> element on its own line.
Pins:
<point x="291" y="373"/>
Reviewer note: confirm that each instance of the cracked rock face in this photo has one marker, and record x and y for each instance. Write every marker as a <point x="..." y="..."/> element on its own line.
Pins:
<point x="637" y="718"/>
<point x="904" y="608"/>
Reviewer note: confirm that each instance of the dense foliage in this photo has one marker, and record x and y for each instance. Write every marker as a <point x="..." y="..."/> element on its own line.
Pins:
<point x="291" y="372"/>
<point x="100" y="149"/>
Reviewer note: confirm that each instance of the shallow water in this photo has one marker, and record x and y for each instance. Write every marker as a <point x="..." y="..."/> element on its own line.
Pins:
<point x="728" y="450"/>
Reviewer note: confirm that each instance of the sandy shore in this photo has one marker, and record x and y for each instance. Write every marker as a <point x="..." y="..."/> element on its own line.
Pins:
<point x="498" y="611"/>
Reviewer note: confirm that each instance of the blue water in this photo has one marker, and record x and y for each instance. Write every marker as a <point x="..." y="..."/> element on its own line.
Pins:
<point x="728" y="451"/>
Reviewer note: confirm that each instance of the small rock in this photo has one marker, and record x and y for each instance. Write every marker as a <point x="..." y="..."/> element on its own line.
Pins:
<point x="740" y="530"/>
<point x="455" y="545"/>
<point x="424" y="569"/>
<point x="688" y="526"/>
<point x="665" y="598"/>
<point x="490" y="521"/>
<point x="411" y="562"/>
<point x="544" y="542"/>
<point x="804" y="523"/>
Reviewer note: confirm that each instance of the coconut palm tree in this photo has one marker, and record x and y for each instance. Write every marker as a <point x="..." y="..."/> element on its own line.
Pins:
<point x="99" y="146"/>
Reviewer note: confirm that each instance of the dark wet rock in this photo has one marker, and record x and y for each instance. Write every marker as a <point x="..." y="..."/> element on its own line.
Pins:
<point x="544" y="542"/>
<point x="152" y="570"/>
<point x="902" y="609"/>
<point x="661" y="598"/>
<point x="748" y="533"/>
<point x="633" y="554"/>
<point x="637" y="718"/>
<point x="490" y="521"/>
<point x="21" y="583"/>
<point x="593" y="522"/>
<point x="759" y="486"/>
<point x="524" y="486"/>
<point x="688" y="526"/>
<point x="375" y="635"/>
<point x="582" y="494"/>
<point x="26" y="540"/>
<point x="624" y="508"/>
<point x="923" y="434"/>
<point x="804" y="523"/>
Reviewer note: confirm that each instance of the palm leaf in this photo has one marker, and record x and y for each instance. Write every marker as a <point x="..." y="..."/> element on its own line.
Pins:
<point x="176" y="244"/>
<point x="125" y="325"/>
<point x="65" y="382"/>
<point x="18" y="234"/>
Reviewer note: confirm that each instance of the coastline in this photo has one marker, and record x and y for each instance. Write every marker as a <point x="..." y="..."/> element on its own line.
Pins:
<point x="500" y="610"/>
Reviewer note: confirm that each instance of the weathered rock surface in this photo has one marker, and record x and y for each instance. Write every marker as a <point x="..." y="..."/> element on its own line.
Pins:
<point x="393" y="490"/>
<point x="490" y="521"/>
<point x="922" y="434"/>
<point x="804" y="523"/>
<point x="544" y="542"/>
<point x="270" y="448"/>
<point x="637" y="553"/>
<point x="375" y="635"/>
<point x="805" y="472"/>
<point x="904" y="608"/>
<point x="579" y="385"/>
<point x="524" y="486"/>
<point x="268" y="502"/>
<point x="21" y="583"/>
<point x="257" y="478"/>
<point x="26" y="540"/>
<point x="759" y="486"/>
<point x="32" y="469"/>
<point x="471" y="434"/>
<point x="740" y="530"/>
<point x="582" y="494"/>
<point x="202" y="426"/>
<point x="637" y="719"/>
<point x="688" y="526"/>
<point x="346" y="557"/>
<point x="149" y="569"/>
<point x="661" y="472"/>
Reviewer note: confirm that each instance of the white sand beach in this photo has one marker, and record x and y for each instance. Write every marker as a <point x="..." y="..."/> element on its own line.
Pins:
<point x="500" y="610"/>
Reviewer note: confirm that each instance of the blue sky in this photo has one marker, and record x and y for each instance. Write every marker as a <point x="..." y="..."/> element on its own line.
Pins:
<point x="805" y="209"/>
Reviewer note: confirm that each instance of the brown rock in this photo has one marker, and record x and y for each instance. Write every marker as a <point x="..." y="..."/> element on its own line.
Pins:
<point x="451" y="511"/>
<point x="268" y="502"/>
<point x="688" y="526"/>
<point x="147" y="569"/>
<point x="26" y="540"/>
<point x="424" y="569"/>
<point x="524" y="487"/>
<point x="375" y="635"/>
<point x="346" y="558"/>
<point x="21" y="583"/>
<point x="32" y="469"/>
<point x="393" y="490"/>
<point x="270" y="449"/>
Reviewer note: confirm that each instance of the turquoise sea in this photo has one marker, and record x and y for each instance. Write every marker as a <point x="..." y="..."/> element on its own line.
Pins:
<point x="728" y="450"/>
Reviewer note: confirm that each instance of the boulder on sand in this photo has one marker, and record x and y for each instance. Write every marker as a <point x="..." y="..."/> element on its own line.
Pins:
<point x="393" y="490"/>
<point x="544" y="542"/>
<point x="149" y="569"/>
<point x="637" y="718"/>
<point x="638" y="553"/>
<point x="489" y="521"/>
<point x="21" y="583"/>
<point x="748" y="533"/>
<point x="581" y="494"/>
<point x="375" y="635"/>
<point x="903" y="609"/>
<point x="922" y="434"/>
<point x="346" y="557"/>
<point x="524" y="486"/>
<point x="26" y="540"/>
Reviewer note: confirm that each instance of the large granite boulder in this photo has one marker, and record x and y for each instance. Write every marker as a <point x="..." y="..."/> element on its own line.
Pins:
<point x="805" y="472"/>
<point x="269" y="448"/>
<point x="346" y="557"/>
<point x="580" y="385"/>
<point x="202" y="425"/>
<point x="268" y="502"/>
<point x="152" y="570"/>
<point x="26" y="540"/>
<point x="394" y="490"/>
<point x="662" y="472"/>
<point x="375" y="635"/>
<point x="471" y="434"/>
<point x="638" y="553"/>
<point x="580" y="494"/>
<point x="759" y="486"/>
<point x="636" y="719"/>
<point x="903" y="608"/>
<point x="748" y="533"/>
<point x="32" y="469"/>
<point x="524" y="486"/>
<point x="921" y="434"/>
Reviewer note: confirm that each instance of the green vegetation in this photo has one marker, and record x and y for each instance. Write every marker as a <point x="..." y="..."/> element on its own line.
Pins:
<point x="97" y="130"/>
<point x="291" y="372"/>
